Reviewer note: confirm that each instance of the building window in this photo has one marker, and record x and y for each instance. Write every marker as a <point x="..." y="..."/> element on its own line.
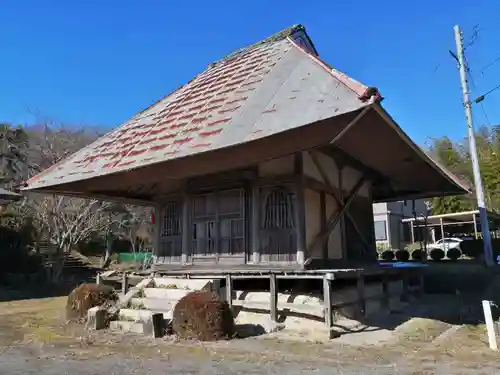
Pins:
<point x="218" y="224"/>
<point x="381" y="230"/>
<point x="170" y="230"/>
<point x="278" y="212"/>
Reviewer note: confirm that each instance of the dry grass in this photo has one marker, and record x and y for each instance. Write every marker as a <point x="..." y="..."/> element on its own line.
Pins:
<point x="202" y="316"/>
<point x="41" y="321"/>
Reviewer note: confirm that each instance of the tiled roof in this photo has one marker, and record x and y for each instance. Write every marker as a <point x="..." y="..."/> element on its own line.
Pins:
<point x="267" y="88"/>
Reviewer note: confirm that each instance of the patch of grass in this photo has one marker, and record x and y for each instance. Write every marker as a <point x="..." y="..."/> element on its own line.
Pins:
<point x="167" y="286"/>
<point x="136" y="306"/>
<point x="421" y="329"/>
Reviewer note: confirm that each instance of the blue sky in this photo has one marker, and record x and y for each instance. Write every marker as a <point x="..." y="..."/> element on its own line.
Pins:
<point x="99" y="62"/>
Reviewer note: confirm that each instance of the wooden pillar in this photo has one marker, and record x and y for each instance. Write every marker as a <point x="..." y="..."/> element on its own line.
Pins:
<point x="323" y="222"/>
<point x="229" y="290"/>
<point x="185" y="227"/>
<point x="474" y="219"/>
<point x="125" y="283"/>
<point x="255" y="227"/>
<point x="361" y="310"/>
<point x="157" y="250"/>
<point x="343" y="235"/>
<point x="421" y="282"/>
<point x="386" y="294"/>
<point x="327" y="304"/>
<point x="300" y="209"/>
<point x="442" y="227"/>
<point x="273" y="290"/>
<point x="405" y="295"/>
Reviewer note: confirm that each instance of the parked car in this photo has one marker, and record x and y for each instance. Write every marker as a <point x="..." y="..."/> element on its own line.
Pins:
<point x="446" y="244"/>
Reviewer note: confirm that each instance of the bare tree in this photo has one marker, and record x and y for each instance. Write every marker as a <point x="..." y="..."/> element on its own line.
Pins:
<point x="63" y="221"/>
<point x="134" y="226"/>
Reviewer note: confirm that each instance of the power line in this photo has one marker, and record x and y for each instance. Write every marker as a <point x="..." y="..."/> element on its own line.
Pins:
<point x="490" y="64"/>
<point x="473" y="84"/>
<point x="474" y="37"/>
<point x="481" y="98"/>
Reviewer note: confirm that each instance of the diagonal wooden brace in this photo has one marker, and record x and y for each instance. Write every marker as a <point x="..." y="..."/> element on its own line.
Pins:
<point x="339" y="202"/>
<point x="335" y="216"/>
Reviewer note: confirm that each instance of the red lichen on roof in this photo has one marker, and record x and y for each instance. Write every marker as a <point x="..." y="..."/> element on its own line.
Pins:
<point x="195" y="116"/>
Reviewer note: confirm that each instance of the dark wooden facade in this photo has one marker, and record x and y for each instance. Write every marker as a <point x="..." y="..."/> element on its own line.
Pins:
<point x="301" y="209"/>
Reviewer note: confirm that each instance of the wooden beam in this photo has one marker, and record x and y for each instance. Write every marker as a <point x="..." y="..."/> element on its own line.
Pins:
<point x="336" y="215"/>
<point x="343" y="232"/>
<point x="406" y="288"/>
<point x="276" y="180"/>
<point x="358" y="117"/>
<point x="300" y="211"/>
<point x="323" y="218"/>
<point x="343" y="157"/>
<point x="360" y="286"/>
<point x="185" y="228"/>
<point x="229" y="290"/>
<point x="386" y="293"/>
<point x="329" y="183"/>
<point x="255" y="225"/>
<point x="156" y="230"/>
<point x="273" y="289"/>
<point x="327" y="305"/>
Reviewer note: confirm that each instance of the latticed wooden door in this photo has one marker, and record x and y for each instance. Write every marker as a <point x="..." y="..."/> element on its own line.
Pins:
<point x="278" y="239"/>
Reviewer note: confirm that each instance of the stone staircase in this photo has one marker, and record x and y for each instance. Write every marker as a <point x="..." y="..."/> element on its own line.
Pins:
<point x="159" y="296"/>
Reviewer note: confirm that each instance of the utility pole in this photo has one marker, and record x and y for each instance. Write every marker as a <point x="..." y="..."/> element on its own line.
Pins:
<point x="483" y="216"/>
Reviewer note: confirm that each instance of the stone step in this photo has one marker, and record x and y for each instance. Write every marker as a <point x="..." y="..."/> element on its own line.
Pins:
<point x="141" y="322"/>
<point x="161" y="304"/>
<point x="142" y="315"/>
<point x="127" y="326"/>
<point x="172" y="294"/>
<point x="174" y="283"/>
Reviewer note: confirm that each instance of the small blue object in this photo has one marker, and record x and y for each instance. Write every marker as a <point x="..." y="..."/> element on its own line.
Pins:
<point x="401" y="265"/>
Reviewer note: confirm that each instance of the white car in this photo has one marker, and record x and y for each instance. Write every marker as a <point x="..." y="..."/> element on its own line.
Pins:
<point x="446" y="244"/>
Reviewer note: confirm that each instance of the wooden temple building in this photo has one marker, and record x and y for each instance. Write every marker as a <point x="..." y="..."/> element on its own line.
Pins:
<point x="268" y="159"/>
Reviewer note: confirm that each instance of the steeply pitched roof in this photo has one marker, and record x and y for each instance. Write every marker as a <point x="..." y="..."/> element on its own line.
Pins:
<point x="277" y="89"/>
<point x="269" y="87"/>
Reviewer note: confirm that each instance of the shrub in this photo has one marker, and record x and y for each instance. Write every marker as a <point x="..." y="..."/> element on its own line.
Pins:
<point x="388" y="255"/>
<point x="402" y="255"/>
<point x="202" y="316"/>
<point x="417" y="254"/>
<point x="472" y="248"/>
<point x="86" y="296"/>
<point x="454" y="254"/>
<point x="437" y="254"/>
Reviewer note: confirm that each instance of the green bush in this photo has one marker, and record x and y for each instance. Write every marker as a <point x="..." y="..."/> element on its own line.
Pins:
<point x="417" y="254"/>
<point x="402" y="255"/>
<point x="387" y="255"/>
<point x="454" y="254"/>
<point x="472" y="248"/>
<point x="437" y="254"/>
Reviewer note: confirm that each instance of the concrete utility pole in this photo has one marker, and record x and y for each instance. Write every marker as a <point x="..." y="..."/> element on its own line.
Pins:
<point x="483" y="216"/>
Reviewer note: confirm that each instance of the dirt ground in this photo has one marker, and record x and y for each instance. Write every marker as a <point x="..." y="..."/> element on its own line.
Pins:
<point x="34" y="337"/>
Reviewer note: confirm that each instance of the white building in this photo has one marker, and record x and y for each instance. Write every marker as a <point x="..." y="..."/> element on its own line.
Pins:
<point x="389" y="228"/>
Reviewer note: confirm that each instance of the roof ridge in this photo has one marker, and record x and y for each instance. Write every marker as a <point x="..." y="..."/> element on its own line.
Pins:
<point x="364" y="92"/>
<point x="281" y="35"/>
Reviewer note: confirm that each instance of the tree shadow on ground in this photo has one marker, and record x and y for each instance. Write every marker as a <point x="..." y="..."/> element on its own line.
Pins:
<point x="22" y="287"/>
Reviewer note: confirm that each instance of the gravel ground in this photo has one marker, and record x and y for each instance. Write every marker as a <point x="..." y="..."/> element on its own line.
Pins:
<point x="34" y="338"/>
<point x="25" y="362"/>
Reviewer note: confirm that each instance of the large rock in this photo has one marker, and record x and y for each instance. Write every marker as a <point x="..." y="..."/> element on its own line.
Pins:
<point x="202" y="316"/>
